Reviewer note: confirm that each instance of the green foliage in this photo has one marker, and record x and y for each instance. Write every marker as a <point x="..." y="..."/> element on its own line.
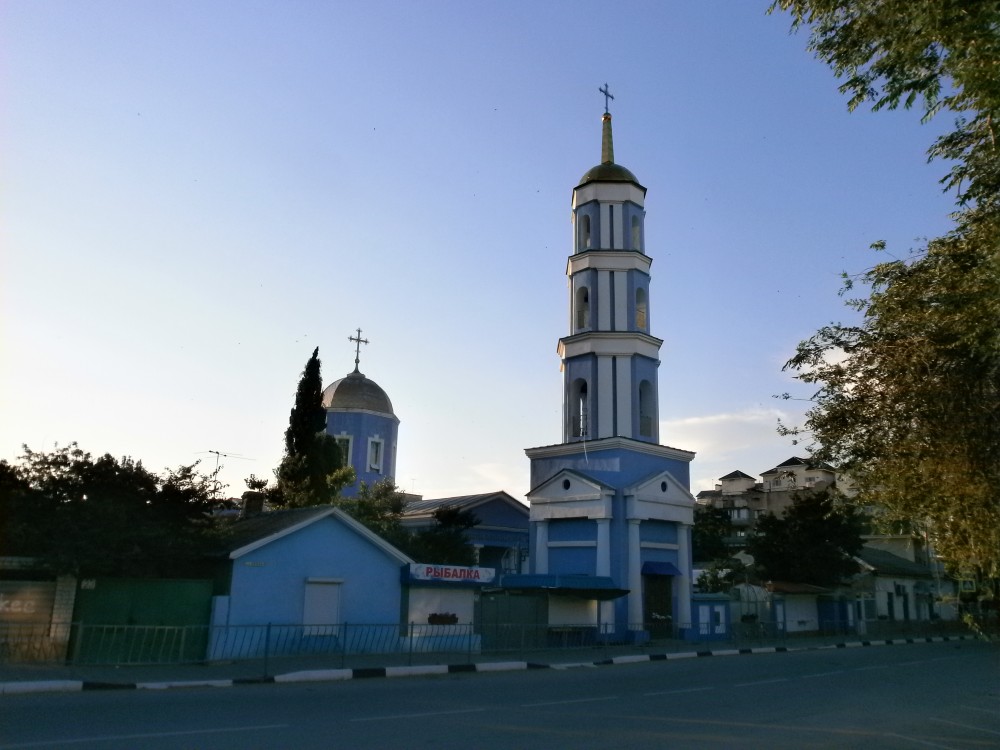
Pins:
<point x="722" y="575"/>
<point x="908" y="401"/>
<point x="379" y="507"/>
<point x="445" y="542"/>
<point x="105" y="516"/>
<point x="311" y="471"/>
<point x="711" y="528"/>
<point x="813" y="541"/>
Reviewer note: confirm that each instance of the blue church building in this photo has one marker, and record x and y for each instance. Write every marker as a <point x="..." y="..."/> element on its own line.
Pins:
<point x="359" y="416"/>
<point x="611" y="509"/>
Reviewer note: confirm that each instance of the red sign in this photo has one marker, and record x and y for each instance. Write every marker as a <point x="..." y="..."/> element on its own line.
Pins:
<point x="457" y="573"/>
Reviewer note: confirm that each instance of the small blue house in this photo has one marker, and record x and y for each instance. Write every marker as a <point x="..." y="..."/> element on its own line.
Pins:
<point x="313" y="567"/>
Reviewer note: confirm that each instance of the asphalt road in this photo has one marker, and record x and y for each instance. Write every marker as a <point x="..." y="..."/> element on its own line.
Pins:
<point x="943" y="695"/>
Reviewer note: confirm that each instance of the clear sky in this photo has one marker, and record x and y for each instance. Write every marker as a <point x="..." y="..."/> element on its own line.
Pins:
<point x="196" y="194"/>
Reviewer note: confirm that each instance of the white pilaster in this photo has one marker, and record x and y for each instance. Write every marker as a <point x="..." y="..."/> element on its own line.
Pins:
<point x="621" y="301"/>
<point x="603" y="301"/>
<point x="603" y="547"/>
<point x="634" y="574"/>
<point x="624" y="395"/>
<point x="683" y="617"/>
<point x="542" y="546"/>
<point x="605" y="398"/>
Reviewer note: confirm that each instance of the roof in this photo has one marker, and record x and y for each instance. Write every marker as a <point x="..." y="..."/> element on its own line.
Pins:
<point x="461" y="502"/>
<point x="357" y="392"/>
<point x="736" y="475"/>
<point x="253" y="533"/>
<point x="796" y="461"/>
<point x="788" y="587"/>
<point x="884" y="563"/>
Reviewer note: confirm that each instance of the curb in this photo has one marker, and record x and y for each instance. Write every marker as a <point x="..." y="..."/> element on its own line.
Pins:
<point x="337" y="675"/>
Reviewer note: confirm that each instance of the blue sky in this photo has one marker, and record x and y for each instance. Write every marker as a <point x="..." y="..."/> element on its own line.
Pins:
<point x="196" y="194"/>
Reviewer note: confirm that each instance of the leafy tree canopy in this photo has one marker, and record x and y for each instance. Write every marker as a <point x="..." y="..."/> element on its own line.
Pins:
<point x="711" y="528"/>
<point x="105" y="516"/>
<point x="813" y="541"/>
<point x="908" y="401"/>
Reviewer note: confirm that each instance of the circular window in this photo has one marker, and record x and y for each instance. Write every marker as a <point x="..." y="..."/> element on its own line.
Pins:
<point x="663" y="486"/>
<point x="565" y="484"/>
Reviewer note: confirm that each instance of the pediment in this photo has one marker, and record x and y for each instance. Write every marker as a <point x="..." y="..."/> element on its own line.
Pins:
<point x="569" y="494"/>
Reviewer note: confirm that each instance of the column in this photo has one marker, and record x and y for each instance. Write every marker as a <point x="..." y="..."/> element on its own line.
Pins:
<point x="542" y="546"/>
<point x="683" y="581"/>
<point x="634" y="574"/>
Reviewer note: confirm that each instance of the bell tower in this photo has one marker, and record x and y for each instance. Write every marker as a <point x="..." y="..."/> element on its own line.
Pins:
<point x="609" y="358"/>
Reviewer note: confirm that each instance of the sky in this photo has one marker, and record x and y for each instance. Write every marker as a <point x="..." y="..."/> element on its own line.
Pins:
<point x="197" y="194"/>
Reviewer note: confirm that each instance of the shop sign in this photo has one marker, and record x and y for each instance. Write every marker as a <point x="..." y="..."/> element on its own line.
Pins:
<point x="452" y="573"/>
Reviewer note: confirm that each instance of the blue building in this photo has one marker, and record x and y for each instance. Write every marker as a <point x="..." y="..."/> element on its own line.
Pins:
<point x="611" y="509"/>
<point x="359" y="415"/>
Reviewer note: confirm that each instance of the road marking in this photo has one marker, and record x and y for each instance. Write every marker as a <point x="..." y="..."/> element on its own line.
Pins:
<point x="761" y="682"/>
<point x="145" y="735"/>
<point x="920" y="742"/>
<point x="421" y="715"/>
<point x="564" y="703"/>
<point x="964" y="726"/>
<point x="676" y="692"/>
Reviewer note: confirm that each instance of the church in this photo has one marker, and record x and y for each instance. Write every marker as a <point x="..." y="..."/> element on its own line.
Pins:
<point x="608" y="542"/>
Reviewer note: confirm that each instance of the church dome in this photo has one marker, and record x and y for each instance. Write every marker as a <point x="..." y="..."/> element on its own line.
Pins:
<point x="357" y="392"/>
<point x="608" y="172"/>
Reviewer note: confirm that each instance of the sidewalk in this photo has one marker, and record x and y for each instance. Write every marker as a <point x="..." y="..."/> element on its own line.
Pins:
<point x="32" y="678"/>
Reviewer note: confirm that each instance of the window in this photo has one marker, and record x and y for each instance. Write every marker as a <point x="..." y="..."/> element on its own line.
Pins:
<point x="647" y="409"/>
<point x="344" y="443"/>
<point x="578" y="409"/>
<point x="582" y="308"/>
<point x="584" y="232"/>
<point x="640" y="309"/>
<point x="375" y="455"/>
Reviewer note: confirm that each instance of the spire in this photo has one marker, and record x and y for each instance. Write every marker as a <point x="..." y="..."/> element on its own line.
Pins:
<point x="607" y="147"/>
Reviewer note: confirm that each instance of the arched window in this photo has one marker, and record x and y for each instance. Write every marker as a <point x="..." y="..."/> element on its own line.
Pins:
<point x="579" y="409"/>
<point x="636" y="234"/>
<point x="647" y="409"/>
<point x="582" y="308"/>
<point x="641" y="311"/>
<point x="584" y="232"/>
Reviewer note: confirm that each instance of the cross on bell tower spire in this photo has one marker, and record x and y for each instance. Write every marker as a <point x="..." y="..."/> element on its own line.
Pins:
<point x="358" y="341"/>
<point x="607" y="96"/>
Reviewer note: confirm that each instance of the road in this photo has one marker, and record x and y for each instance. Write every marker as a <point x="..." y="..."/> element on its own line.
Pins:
<point x="907" y="696"/>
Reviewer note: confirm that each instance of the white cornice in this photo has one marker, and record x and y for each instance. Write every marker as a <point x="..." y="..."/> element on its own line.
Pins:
<point x="606" y="444"/>
<point x="610" y="344"/>
<point x="608" y="260"/>
<point x="609" y="192"/>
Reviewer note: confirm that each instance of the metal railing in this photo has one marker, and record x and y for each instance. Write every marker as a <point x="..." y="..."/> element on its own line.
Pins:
<point x="338" y="644"/>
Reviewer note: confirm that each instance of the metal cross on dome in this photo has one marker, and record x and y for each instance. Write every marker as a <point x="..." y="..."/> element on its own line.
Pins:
<point x="357" y="348"/>
<point x="607" y="96"/>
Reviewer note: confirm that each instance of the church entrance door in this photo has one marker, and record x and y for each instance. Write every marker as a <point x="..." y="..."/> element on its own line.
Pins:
<point x="657" y="605"/>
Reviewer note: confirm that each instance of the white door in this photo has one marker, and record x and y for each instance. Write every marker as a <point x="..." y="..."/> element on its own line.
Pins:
<point x="321" y="608"/>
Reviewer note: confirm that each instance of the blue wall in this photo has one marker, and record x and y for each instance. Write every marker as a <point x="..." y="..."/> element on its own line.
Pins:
<point x="268" y="584"/>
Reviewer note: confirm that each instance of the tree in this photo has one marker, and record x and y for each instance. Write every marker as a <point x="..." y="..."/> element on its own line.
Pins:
<point x="105" y="516"/>
<point x="379" y="506"/>
<point x="814" y="541"/>
<point x="445" y="542"/>
<point x="311" y="471"/>
<point x="908" y="401"/>
<point x="712" y="526"/>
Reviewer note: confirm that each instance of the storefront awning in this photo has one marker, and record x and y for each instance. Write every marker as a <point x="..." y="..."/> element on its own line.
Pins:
<point x="601" y="588"/>
<point x="659" y="569"/>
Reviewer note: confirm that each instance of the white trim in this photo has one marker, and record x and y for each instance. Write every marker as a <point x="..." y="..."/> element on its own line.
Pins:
<point x="608" y="260"/>
<point x="610" y="343"/>
<point x="615" y="443"/>
<point x="553" y="545"/>
<point x="609" y="191"/>
<point x="660" y="545"/>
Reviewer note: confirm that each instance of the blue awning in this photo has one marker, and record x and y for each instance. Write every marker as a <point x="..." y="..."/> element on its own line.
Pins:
<point x="602" y="588"/>
<point x="659" y="569"/>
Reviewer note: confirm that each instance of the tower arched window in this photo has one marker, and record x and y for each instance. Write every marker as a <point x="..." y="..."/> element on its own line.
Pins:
<point x="579" y="409"/>
<point x="582" y="308"/>
<point x="636" y="234"/>
<point x="647" y="409"/>
<point x="641" y="310"/>
<point x="584" y="232"/>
